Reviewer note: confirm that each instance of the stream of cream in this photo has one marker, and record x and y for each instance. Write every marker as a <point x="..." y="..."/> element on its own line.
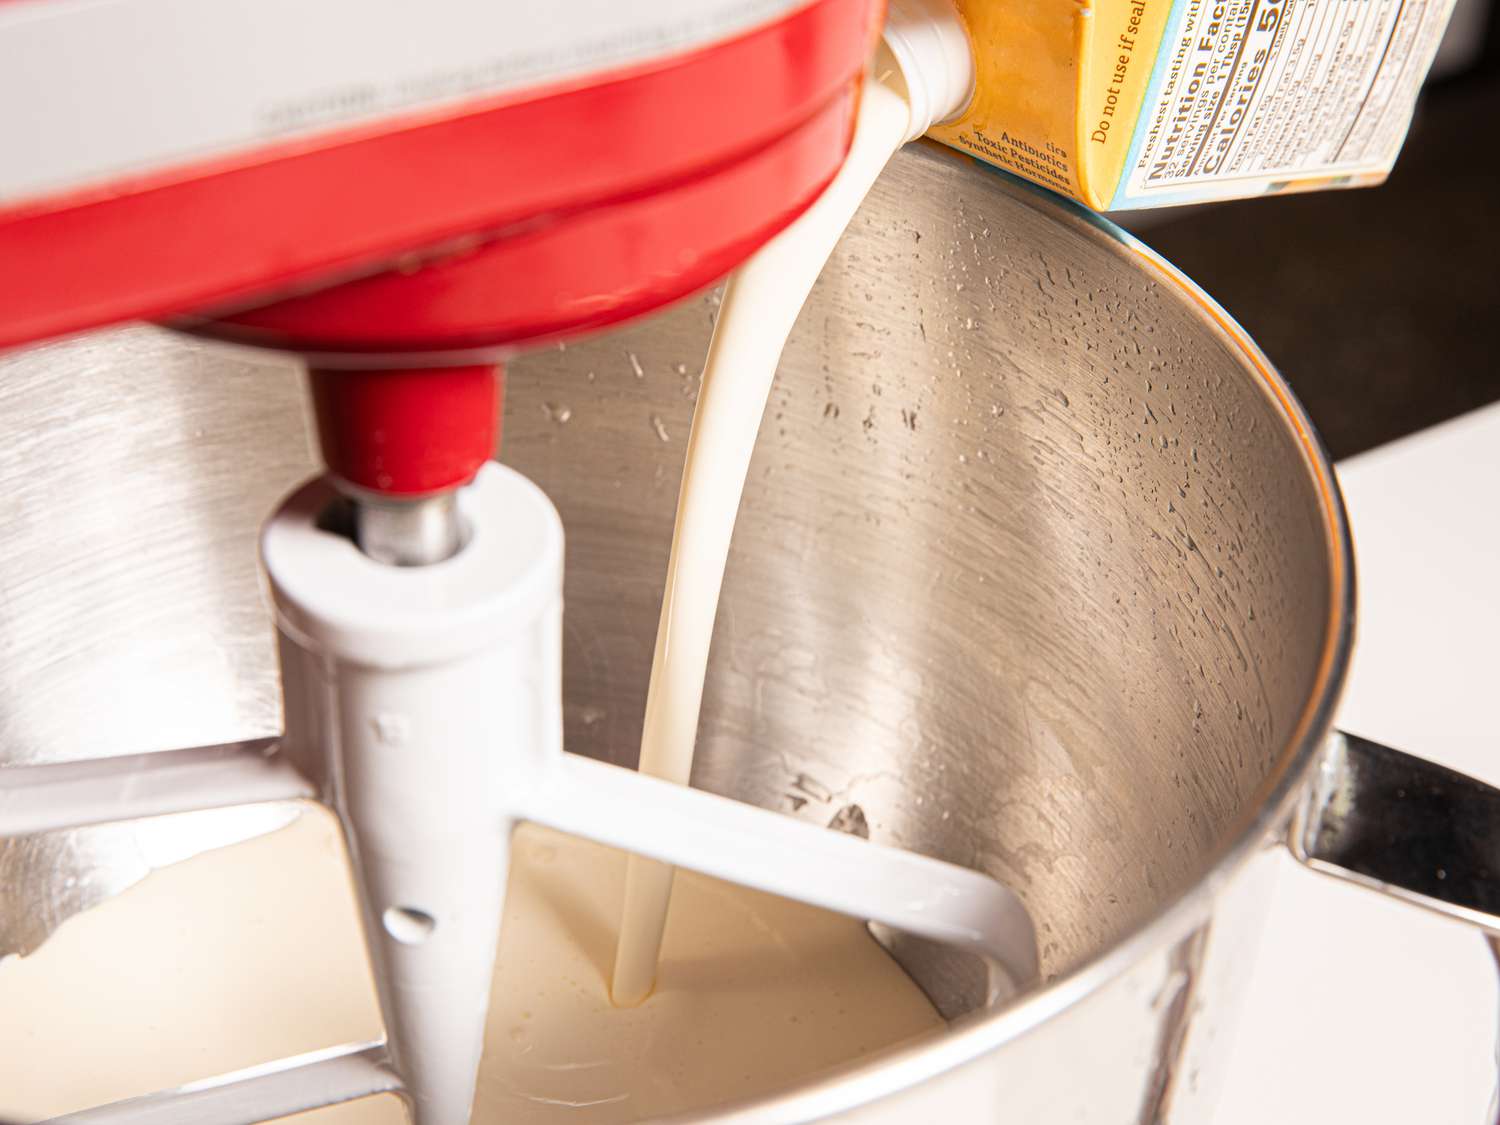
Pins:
<point x="761" y="303"/>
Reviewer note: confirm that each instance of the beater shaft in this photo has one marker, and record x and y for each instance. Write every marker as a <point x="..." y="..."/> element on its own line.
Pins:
<point x="408" y="532"/>
<point x="422" y="698"/>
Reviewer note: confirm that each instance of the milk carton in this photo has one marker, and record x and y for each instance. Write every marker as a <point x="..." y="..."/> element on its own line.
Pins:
<point x="1147" y="103"/>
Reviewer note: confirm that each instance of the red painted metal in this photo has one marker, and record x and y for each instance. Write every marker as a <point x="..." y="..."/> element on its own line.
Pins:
<point x="576" y="272"/>
<point x="408" y="432"/>
<point x="477" y="229"/>
<point x="302" y="214"/>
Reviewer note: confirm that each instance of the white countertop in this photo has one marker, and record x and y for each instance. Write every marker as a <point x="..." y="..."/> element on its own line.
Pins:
<point x="1364" y="1010"/>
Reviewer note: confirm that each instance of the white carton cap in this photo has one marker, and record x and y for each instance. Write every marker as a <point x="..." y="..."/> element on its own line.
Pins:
<point x="928" y="44"/>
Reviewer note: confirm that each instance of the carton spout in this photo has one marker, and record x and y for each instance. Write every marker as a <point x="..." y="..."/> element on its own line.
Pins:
<point x="925" y="53"/>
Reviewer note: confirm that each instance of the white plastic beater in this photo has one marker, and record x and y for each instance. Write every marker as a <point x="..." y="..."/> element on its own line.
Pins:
<point x="424" y="704"/>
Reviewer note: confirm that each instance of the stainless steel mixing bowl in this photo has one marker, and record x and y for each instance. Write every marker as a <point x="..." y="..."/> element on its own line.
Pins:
<point x="1040" y="569"/>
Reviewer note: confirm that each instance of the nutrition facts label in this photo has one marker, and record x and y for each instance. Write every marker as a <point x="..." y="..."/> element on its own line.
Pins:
<point x="1260" y="91"/>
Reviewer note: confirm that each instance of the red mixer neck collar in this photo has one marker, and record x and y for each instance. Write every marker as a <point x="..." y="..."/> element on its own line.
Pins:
<point x="410" y="432"/>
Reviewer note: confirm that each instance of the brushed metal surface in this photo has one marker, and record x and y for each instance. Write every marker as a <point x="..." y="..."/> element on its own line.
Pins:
<point x="137" y="469"/>
<point x="1029" y="569"/>
<point x="1035" y="573"/>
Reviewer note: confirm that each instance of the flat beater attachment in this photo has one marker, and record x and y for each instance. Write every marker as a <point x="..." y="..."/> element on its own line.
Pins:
<point x="424" y="705"/>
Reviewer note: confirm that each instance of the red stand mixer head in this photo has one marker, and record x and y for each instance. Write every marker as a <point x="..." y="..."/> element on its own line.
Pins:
<point x="422" y="248"/>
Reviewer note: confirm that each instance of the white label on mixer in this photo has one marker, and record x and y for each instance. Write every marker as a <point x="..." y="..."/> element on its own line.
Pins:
<point x="1266" y="91"/>
<point x="97" y="88"/>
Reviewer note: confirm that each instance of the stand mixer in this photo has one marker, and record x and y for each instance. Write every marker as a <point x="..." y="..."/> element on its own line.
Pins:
<point x="417" y="587"/>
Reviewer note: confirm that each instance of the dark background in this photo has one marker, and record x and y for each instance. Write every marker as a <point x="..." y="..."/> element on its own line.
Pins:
<point x="1381" y="306"/>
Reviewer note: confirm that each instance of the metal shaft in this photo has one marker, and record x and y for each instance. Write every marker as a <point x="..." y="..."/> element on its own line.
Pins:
<point x="408" y="532"/>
